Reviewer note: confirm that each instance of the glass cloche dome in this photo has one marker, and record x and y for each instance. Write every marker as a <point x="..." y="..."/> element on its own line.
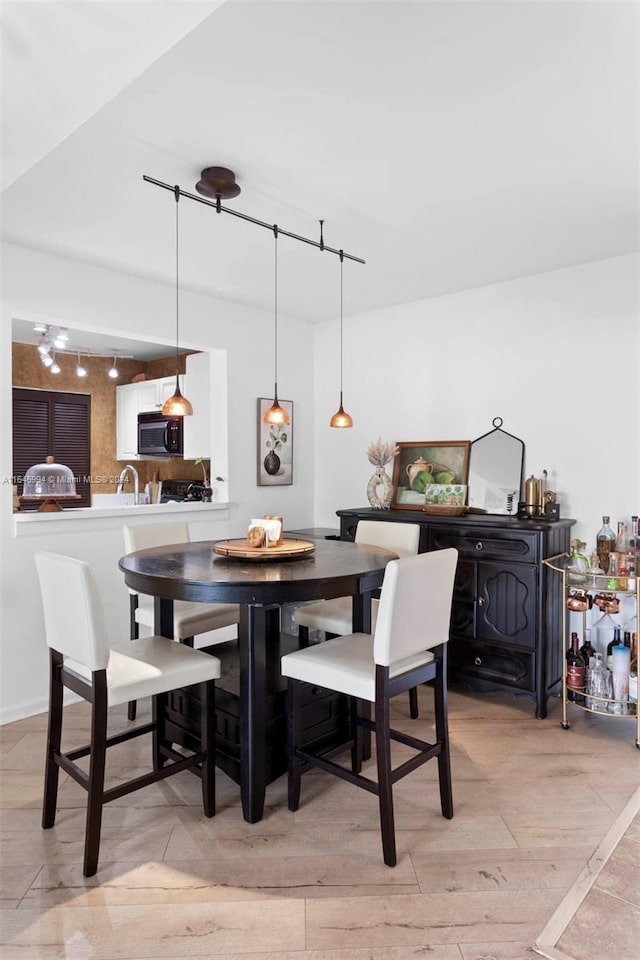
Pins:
<point x="49" y="482"/>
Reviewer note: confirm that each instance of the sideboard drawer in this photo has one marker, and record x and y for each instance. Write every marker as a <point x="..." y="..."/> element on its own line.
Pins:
<point x="492" y="664"/>
<point x="494" y="545"/>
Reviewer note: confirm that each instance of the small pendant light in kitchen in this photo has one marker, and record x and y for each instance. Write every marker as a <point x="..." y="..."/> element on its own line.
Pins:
<point x="340" y="417"/>
<point x="275" y="414"/>
<point x="177" y="405"/>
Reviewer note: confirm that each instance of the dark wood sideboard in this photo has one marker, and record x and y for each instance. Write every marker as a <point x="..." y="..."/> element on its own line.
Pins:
<point x="507" y="607"/>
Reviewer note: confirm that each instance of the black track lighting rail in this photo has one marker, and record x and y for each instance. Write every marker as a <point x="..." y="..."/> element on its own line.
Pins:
<point x="220" y="208"/>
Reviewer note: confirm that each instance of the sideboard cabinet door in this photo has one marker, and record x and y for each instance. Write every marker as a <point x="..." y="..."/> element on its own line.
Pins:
<point x="505" y="608"/>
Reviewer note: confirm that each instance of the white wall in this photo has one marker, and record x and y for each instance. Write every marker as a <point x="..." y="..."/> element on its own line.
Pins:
<point x="37" y="286"/>
<point x="555" y="355"/>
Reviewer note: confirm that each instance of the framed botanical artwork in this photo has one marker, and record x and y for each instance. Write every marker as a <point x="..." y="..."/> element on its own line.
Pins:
<point x="275" y="446"/>
<point x="418" y="466"/>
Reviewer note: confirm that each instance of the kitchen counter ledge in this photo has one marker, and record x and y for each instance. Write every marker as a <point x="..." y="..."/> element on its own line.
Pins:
<point x="31" y="524"/>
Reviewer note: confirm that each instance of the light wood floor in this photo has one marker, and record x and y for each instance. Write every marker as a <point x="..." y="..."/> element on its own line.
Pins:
<point x="532" y="803"/>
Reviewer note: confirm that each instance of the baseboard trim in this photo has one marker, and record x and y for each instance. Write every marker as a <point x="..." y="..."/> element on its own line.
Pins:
<point x="31" y="708"/>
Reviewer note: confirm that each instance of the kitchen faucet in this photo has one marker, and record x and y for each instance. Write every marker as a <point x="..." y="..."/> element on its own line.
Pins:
<point x="122" y="478"/>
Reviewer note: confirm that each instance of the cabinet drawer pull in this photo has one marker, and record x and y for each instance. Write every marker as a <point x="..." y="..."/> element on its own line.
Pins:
<point x="480" y="601"/>
<point x="479" y="545"/>
<point x="478" y="661"/>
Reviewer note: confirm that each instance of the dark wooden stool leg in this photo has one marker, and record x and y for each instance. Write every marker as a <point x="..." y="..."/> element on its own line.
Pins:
<point x="442" y="735"/>
<point x="159" y="706"/>
<point x="95" y="792"/>
<point x="134" y="633"/>
<point x="208" y="734"/>
<point x="356" y="736"/>
<point x="385" y="792"/>
<point x="54" y="740"/>
<point x="294" y="766"/>
<point x="413" y="703"/>
<point x="303" y="636"/>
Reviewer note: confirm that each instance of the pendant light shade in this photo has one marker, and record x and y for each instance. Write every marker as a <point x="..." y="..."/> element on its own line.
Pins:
<point x="275" y="414"/>
<point x="177" y="405"/>
<point x="341" y="418"/>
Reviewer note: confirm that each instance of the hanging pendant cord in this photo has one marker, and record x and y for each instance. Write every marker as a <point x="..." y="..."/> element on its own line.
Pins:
<point x="275" y="306"/>
<point x="341" y="322"/>
<point x="177" y="196"/>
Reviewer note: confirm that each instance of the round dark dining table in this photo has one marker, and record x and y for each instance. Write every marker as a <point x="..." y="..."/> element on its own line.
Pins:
<point x="192" y="571"/>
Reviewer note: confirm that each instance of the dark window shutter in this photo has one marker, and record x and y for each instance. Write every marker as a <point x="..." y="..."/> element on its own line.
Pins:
<point x="56" y="423"/>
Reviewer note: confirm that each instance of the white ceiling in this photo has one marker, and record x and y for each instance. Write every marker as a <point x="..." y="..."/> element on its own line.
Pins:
<point x="450" y="144"/>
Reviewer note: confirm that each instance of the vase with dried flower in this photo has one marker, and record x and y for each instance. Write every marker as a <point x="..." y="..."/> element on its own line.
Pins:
<point x="380" y="488"/>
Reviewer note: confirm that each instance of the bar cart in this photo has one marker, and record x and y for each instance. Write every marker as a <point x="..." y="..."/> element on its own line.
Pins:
<point x="601" y="706"/>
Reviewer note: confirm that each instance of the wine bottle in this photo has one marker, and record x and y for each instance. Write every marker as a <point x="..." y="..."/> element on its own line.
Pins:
<point x="613" y="643"/>
<point x="575" y="671"/>
<point x="605" y="543"/>
<point x="587" y="650"/>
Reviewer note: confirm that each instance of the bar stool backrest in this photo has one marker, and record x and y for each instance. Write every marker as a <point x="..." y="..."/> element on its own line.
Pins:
<point x="141" y="536"/>
<point x="402" y="538"/>
<point x="415" y="605"/>
<point x="74" y="617"/>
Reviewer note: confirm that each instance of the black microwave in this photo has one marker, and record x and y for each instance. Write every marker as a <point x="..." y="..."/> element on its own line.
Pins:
<point x="159" y="436"/>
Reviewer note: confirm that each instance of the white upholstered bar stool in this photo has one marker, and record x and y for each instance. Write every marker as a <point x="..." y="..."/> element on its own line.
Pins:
<point x="408" y="647"/>
<point x="333" y="617"/>
<point x="80" y="659"/>
<point x="189" y="619"/>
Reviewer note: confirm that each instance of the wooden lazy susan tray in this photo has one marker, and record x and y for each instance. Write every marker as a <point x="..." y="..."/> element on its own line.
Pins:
<point x="240" y="550"/>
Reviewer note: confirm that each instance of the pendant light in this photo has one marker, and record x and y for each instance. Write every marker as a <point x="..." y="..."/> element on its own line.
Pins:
<point x="113" y="370"/>
<point x="275" y="414"/>
<point x="340" y="417"/>
<point x="177" y="405"/>
<point x="80" y="370"/>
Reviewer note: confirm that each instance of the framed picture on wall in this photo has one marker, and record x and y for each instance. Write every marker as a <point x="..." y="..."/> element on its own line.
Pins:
<point x="420" y="465"/>
<point x="275" y="446"/>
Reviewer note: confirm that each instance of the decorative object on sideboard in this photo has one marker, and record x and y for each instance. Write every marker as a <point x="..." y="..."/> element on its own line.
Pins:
<point x="495" y="471"/>
<point x="275" y="447"/>
<point x="341" y="418"/>
<point x="539" y="501"/>
<point x="421" y="464"/>
<point x="380" y="488"/>
<point x="176" y="405"/>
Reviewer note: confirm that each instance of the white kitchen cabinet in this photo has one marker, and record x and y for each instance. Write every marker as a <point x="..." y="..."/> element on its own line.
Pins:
<point x="127" y="421"/>
<point x="153" y="393"/>
<point x="145" y="396"/>
<point x="197" y="389"/>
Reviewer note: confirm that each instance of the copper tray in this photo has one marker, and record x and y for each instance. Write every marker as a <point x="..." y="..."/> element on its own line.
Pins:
<point x="240" y="550"/>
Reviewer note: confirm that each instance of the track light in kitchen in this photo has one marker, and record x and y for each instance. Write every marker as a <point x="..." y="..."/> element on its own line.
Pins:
<point x="113" y="371"/>
<point x="80" y="370"/>
<point x="54" y="368"/>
